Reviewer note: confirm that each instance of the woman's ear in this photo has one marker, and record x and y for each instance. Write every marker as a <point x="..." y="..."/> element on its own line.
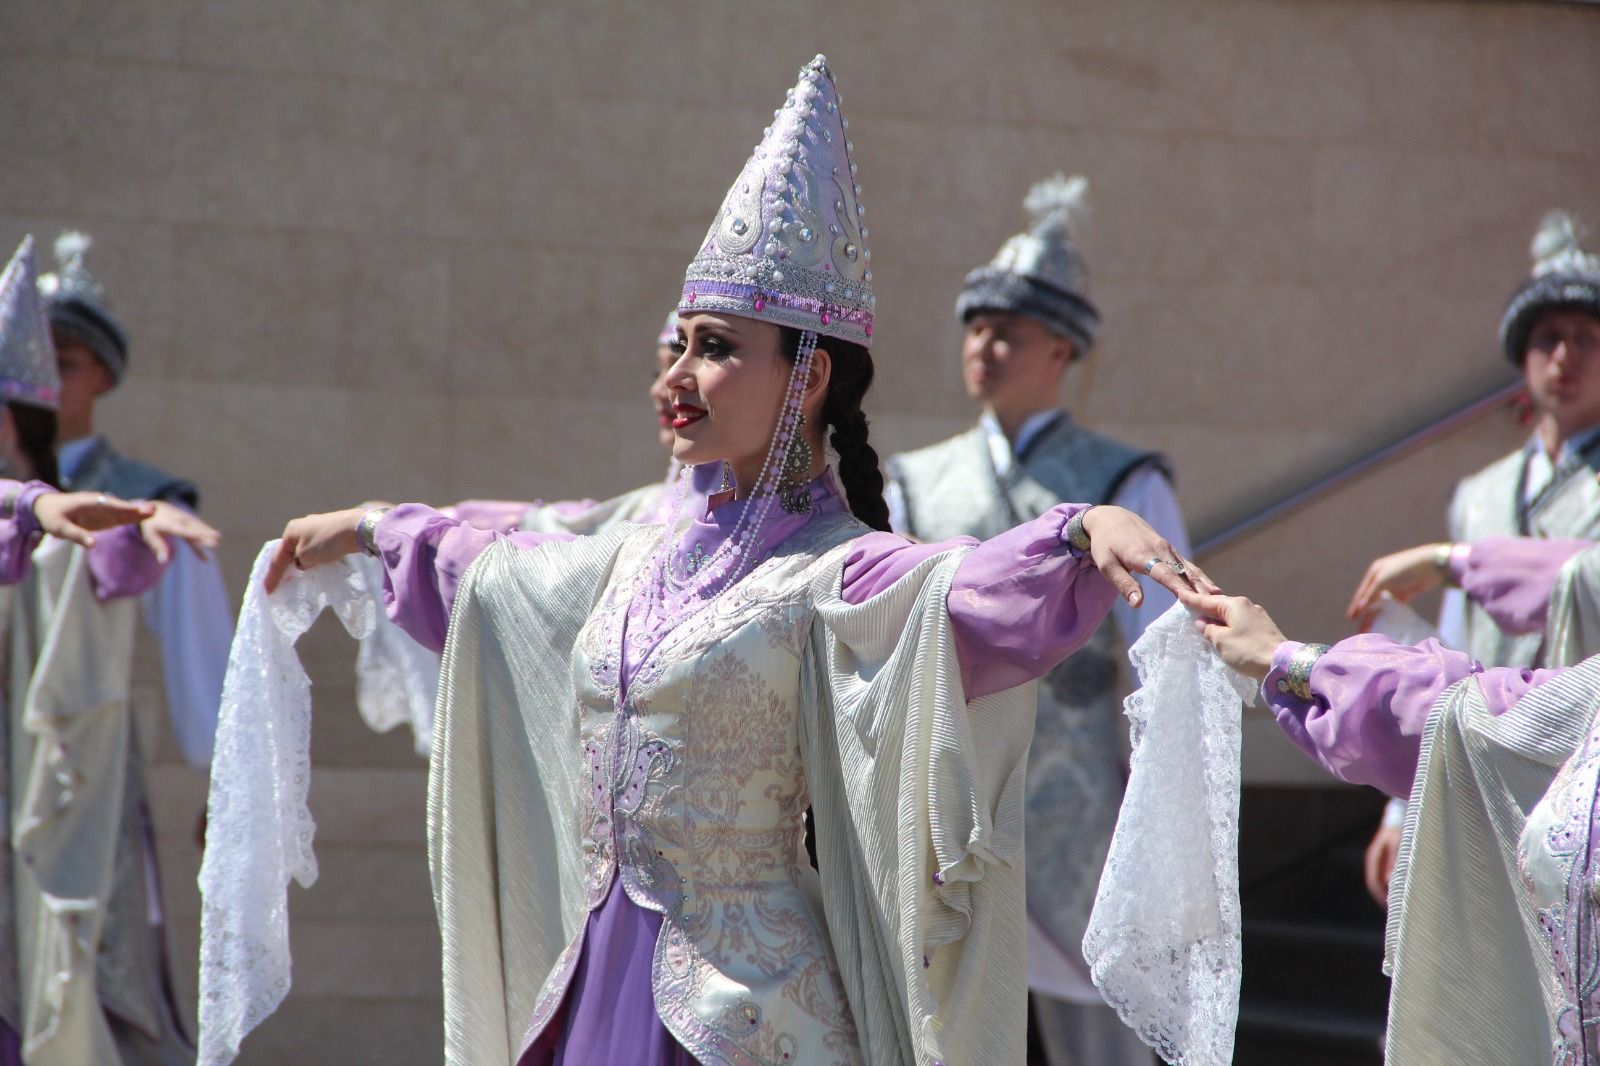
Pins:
<point x="816" y="391"/>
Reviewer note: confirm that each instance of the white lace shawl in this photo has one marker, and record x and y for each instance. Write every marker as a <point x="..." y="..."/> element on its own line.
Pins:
<point x="397" y="679"/>
<point x="260" y="830"/>
<point x="1163" y="939"/>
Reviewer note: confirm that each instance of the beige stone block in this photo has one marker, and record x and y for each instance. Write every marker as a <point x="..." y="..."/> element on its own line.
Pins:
<point x="369" y="806"/>
<point x="340" y="737"/>
<point x="366" y="961"/>
<point x="337" y="1031"/>
<point x="95" y="150"/>
<point x="309" y="308"/>
<point x="263" y="454"/>
<point x="366" y="884"/>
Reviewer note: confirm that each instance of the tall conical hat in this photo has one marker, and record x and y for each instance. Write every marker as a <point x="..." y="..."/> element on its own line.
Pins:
<point x="77" y="305"/>
<point x="788" y="245"/>
<point x="1564" y="276"/>
<point x="1040" y="272"/>
<point x="27" y="359"/>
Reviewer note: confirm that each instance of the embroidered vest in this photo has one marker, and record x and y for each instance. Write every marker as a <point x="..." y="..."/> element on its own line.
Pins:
<point x="105" y="469"/>
<point x="694" y="797"/>
<point x="1075" y="774"/>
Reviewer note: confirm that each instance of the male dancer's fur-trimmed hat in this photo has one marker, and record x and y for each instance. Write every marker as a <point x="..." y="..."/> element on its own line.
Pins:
<point x="1564" y="276"/>
<point x="1040" y="272"/>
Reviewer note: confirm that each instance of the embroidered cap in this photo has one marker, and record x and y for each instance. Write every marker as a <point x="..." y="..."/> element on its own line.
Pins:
<point x="788" y="245"/>
<point x="1564" y="276"/>
<point x="77" y="304"/>
<point x="28" y="371"/>
<point x="1040" y="272"/>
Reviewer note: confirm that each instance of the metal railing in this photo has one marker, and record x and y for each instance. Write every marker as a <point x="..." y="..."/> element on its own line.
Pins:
<point x="1432" y="431"/>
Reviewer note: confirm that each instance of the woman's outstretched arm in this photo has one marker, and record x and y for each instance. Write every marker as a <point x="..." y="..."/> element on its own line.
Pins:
<point x="424" y="554"/>
<point x="1021" y="602"/>
<point x="1359" y="708"/>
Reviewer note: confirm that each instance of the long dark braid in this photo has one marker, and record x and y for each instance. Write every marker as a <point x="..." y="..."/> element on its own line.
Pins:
<point x="36" y="438"/>
<point x="841" y="409"/>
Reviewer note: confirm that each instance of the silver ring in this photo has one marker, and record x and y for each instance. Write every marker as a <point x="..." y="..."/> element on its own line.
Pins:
<point x="1155" y="561"/>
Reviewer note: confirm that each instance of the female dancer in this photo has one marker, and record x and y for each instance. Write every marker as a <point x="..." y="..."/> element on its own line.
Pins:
<point x="632" y="725"/>
<point x="1492" y="908"/>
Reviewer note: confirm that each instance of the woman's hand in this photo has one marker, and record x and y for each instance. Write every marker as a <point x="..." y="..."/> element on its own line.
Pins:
<point x="1378" y="862"/>
<point x="1243" y="633"/>
<point x="171" y="521"/>
<point x="1120" y="541"/>
<point x="315" y="540"/>
<point x="76" y="516"/>
<point x="1402" y="575"/>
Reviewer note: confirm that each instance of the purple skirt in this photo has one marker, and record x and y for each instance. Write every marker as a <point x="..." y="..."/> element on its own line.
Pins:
<point x="10" y="1046"/>
<point x="608" y="1014"/>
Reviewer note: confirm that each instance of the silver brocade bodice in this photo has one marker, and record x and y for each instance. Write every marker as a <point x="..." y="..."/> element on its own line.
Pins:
<point x="1485" y="505"/>
<point x="1075" y="776"/>
<point x="695" y="797"/>
<point x="1554" y="858"/>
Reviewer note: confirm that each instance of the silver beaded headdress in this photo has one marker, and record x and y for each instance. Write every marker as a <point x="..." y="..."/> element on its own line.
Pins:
<point x="669" y="330"/>
<point x="27" y="359"/>
<point x="1040" y="272"/>
<point x="77" y="305"/>
<point x="788" y="245"/>
<point x="1564" y="275"/>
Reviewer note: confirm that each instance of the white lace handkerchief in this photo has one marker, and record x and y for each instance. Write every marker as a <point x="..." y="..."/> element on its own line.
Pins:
<point x="1163" y="939"/>
<point x="397" y="679"/>
<point x="259" y="828"/>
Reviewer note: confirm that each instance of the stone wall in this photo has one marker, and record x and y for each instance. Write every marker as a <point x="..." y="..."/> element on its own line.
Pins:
<point x="420" y="250"/>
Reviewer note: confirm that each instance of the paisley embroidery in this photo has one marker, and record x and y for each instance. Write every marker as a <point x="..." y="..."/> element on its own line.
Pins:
<point x="1562" y="826"/>
<point x="694" y="796"/>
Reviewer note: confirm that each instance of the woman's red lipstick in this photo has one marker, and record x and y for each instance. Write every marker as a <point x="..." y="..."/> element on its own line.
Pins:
<point x="684" y="414"/>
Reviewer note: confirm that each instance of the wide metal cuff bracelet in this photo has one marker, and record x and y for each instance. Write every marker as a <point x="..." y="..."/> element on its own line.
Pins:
<point x="1296" y="681"/>
<point x="1073" y="533"/>
<point x="367" y="530"/>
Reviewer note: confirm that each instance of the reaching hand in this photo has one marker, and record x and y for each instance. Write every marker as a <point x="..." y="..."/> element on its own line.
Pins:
<point x="76" y="516"/>
<point x="315" y="540"/>
<point x="1120" y="541"/>
<point x="1243" y="633"/>
<point x="172" y="521"/>
<point x="1402" y="575"/>
<point x="1379" y="860"/>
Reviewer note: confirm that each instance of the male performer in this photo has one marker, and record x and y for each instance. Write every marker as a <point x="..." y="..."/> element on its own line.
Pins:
<point x="1550" y="487"/>
<point x="189" y="612"/>
<point x="1028" y="317"/>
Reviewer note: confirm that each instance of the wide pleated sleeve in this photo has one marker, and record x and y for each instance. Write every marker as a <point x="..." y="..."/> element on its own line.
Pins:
<point x="507" y="873"/>
<point x="918" y="801"/>
<point x="1470" y="966"/>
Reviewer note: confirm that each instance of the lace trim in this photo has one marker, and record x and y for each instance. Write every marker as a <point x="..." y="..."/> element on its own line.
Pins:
<point x="260" y="828"/>
<point x="1163" y="942"/>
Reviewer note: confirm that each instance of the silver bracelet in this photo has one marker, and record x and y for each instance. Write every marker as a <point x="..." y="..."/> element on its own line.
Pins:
<point x="1074" y="534"/>
<point x="1296" y="681"/>
<point x="367" y="530"/>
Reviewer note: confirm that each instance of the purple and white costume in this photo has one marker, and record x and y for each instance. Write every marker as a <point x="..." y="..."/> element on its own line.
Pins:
<point x="1501" y="766"/>
<point x="632" y="725"/>
<point x="1018" y="605"/>
<point x="69" y="630"/>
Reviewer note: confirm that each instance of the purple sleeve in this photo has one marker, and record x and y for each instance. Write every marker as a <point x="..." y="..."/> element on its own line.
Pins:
<point x="121" y="564"/>
<point x="1512" y="577"/>
<point x="424" y="555"/>
<point x="20" y="534"/>
<point x="1370" y="700"/>
<point x="1020" y="603"/>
